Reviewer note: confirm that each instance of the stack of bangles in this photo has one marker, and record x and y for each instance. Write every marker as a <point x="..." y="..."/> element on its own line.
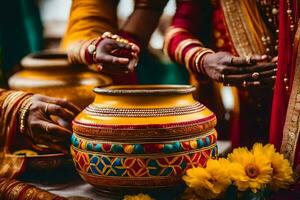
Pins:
<point x="189" y="51"/>
<point x="84" y="52"/>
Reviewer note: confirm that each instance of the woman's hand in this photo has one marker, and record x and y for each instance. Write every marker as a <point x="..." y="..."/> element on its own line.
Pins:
<point x="116" y="57"/>
<point x="43" y="130"/>
<point x="239" y="71"/>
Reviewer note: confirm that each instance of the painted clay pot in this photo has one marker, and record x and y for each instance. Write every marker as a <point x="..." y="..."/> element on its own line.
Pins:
<point x="142" y="136"/>
<point x="51" y="74"/>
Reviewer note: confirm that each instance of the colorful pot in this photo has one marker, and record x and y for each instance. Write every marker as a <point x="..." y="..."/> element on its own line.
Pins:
<point x="142" y="136"/>
<point x="50" y="73"/>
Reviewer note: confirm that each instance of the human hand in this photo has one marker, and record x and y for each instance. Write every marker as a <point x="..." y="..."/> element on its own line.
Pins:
<point x="113" y="56"/>
<point x="238" y="71"/>
<point x="42" y="129"/>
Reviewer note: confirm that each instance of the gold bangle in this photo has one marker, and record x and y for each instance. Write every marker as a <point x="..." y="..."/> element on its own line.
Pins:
<point x="198" y="60"/>
<point x="24" y="110"/>
<point x="182" y="45"/>
<point x="202" y="61"/>
<point x="191" y="52"/>
<point x="170" y="33"/>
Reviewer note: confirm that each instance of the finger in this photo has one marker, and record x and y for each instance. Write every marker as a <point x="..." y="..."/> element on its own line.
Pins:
<point x="261" y="83"/>
<point x="135" y="48"/>
<point x="249" y="77"/>
<point x="275" y="59"/>
<point x="102" y="58"/>
<point x="57" y="110"/>
<point x="248" y="69"/>
<point x="114" y="69"/>
<point x="61" y="102"/>
<point x="132" y="64"/>
<point x="55" y="129"/>
<point x="246" y="61"/>
<point x="58" y="148"/>
<point x="121" y="45"/>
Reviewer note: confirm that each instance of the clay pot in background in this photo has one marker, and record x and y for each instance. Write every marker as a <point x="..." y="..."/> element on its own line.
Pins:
<point x="49" y="73"/>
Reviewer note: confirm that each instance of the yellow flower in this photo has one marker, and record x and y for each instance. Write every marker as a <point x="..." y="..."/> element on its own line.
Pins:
<point x="137" y="197"/>
<point x="249" y="170"/>
<point x="209" y="182"/>
<point x="282" y="175"/>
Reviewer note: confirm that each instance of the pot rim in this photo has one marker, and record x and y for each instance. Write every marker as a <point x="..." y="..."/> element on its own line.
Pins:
<point x="145" y="89"/>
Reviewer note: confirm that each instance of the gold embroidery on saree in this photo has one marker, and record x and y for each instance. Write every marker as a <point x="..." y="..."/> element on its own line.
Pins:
<point x="246" y="38"/>
<point x="291" y="129"/>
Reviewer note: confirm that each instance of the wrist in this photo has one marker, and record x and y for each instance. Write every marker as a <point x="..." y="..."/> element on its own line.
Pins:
<point x="199" y="61"/>
<point x="90" y="50"/>
<point x="132" y="38"/>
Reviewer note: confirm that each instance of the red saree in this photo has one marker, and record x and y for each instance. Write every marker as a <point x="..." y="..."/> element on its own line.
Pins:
<point x="285" y="73"/>
<point x="283" y="131"/>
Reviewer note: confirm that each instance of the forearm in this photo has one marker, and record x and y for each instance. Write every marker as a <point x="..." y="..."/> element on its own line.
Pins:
<point x="11" y="104"/>
<point x="144" y="19"/>
<point x="182" y="43"/>
<point x="90" y="18"/>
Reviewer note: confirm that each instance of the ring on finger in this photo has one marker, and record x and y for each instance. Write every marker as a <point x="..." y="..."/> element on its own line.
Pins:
<point x="244" y="84"/>
<point x="46" y="108"/>
<point x="255" y="75"/>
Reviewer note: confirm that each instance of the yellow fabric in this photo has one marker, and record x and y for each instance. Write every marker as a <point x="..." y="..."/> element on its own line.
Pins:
<point x="89" y="18"/>
<point x="10" y="103"/>
<point x="255" y="22"/>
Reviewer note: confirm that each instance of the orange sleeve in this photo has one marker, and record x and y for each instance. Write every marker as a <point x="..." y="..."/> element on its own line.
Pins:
<point x="89" y="18"/>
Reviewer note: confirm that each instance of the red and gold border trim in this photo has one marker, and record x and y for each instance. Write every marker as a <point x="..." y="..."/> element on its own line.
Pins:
<point x="146" y="131"/>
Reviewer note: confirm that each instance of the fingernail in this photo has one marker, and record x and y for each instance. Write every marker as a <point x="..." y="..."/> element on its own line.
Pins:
<point x="135" y="48"/>
<point x="124" y="60"/>
<point x="264" y="57"/>
<point x="100" y="67"/>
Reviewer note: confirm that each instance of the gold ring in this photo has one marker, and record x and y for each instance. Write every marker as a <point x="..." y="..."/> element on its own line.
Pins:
<point x="248" y="59"/>
<point x="255" y="75"/>
<point x="244" y="84"/>
<point x="46" y="109"/>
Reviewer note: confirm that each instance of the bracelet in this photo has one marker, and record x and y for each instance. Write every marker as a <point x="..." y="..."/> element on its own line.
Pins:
<point x="23" y="113"/>
<point x="170" y="33"/>
<point x="90" y="51"/>
<point x="198" y="61"/>
<point x="182" y="45"/>
<point x="189" y="55"/>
